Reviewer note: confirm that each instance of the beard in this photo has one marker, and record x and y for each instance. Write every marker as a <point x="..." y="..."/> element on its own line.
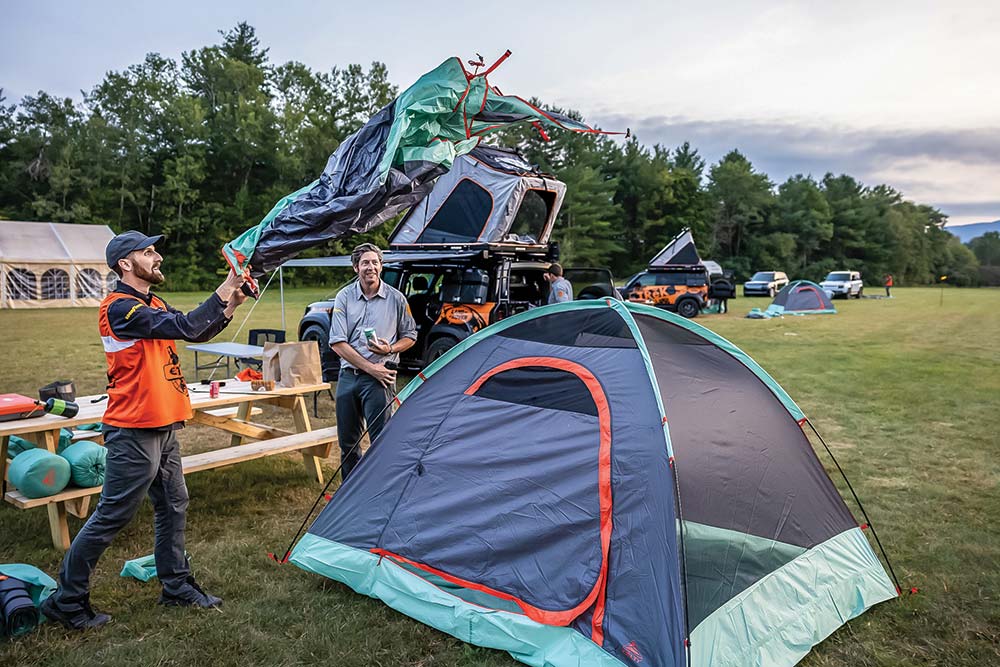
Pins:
<point x="153" y="276"/>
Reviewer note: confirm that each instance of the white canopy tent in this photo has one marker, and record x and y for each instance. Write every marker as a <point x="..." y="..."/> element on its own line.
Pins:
<point x="53" y="264"/>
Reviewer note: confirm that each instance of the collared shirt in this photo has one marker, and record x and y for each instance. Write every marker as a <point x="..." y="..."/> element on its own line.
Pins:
<point x="387" y="312"/>
<point x="560" y="290"/>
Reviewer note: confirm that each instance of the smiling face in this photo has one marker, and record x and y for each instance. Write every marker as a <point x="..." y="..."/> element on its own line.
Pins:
<point x="144" y="265"/>
<point x="369" y="270"/>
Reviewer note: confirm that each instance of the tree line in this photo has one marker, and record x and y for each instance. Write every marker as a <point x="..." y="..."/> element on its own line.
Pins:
<point x="201" y="149"/>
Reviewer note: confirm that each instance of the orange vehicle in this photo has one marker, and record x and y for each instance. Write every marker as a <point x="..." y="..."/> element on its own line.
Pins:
<point x="682" y="289"/>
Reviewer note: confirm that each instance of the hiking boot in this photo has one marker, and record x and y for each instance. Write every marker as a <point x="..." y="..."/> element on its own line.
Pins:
<point x="84" y="618"/>
<point x="190" y="596"/>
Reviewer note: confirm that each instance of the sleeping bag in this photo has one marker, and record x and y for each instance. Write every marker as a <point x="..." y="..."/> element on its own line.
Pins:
<point x="38" y="473"/>
<point x="86" y="462"/>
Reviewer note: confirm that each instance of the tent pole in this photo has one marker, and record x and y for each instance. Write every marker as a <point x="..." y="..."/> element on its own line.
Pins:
<point x="281" y="289"/>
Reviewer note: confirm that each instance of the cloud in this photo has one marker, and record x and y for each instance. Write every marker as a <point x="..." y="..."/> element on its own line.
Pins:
<point x="956" y="170"/>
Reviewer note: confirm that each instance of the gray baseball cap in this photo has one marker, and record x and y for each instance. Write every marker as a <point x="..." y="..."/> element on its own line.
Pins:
<point x="120" y="246"/>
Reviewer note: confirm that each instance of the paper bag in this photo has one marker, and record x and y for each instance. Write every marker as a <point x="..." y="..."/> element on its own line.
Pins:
<point x="292" y="364"/>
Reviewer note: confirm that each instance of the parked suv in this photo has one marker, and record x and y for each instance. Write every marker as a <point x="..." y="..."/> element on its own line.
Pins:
<point x="844" y="284"/>
<point x="453" y="295"/>
<point x="472" y="252"/>
<point x="682" y="289"/>
<point x="765" y="283"/>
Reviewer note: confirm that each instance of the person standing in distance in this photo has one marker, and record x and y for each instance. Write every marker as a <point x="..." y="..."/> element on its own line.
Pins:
<point x="560" y="289"/>
<point x="380" y="309"/>
<point x="147" y="403"/>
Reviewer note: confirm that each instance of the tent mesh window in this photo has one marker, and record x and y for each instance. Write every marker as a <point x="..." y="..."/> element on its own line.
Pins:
<point x="89" y="284"/>
<point x="462" y="217"/>
<point x="540" y="387"/>
<point x="22" y="284"/>
<point x="111" y="281"/>
<point x="532" y="214"/>
<point x="55" y="284"/>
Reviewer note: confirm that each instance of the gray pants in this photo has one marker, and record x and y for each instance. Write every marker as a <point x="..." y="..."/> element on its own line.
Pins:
<point x="140" y="461"/>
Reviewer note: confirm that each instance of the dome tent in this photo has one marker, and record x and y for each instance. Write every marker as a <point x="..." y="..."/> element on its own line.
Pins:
<point x="525" y="497"/>
<point x="53" y="264"/>
<point x="799" y="297"/>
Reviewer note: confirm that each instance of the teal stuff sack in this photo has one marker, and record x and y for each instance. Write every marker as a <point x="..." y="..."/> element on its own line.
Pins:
<point x="37" y="473"/>
<point x="86" y="462"/>
<point x="17" y="445"/>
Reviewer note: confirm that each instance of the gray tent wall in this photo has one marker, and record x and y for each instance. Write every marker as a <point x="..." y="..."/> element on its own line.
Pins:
<point x="507" y="190"/>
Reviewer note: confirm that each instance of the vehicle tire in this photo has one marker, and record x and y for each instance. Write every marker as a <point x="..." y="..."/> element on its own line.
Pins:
<point x="687" y="308"/>
<point x="860" y="292"/>
<point x="315" y="332"/>
<point x="438" y="347"/>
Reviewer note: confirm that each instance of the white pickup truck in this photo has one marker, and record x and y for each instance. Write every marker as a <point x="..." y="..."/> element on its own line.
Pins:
<point x="843" y="283"/>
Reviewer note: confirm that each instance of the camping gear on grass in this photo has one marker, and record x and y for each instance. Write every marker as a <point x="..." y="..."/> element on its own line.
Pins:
<point x="38" y="473"/>
<point x="800" y="297"/>
<point x="18" y="615"/>
<point x="292" y="364"/>
<point x="601" y="483"/>
<point x="17" y="444"/>
<point x="87" y="461"/>
<point x="22" y="589"/>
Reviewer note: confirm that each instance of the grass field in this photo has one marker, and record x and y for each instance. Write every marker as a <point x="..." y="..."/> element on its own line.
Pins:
<point x="906" y="392"/>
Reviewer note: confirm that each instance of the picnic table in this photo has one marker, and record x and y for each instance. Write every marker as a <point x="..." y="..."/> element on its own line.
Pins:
<point x="232" y="412"/>
<point x="223" y="352"/>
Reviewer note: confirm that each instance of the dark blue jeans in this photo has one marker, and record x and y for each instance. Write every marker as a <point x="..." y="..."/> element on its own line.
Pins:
<point x="361" y="399"/>
<point x="140" y="462"/>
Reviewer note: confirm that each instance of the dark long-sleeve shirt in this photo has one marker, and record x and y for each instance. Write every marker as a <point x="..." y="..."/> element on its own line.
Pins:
<point x="200" y="325"/>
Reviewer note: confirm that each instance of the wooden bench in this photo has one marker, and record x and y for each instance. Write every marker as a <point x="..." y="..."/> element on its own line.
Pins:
<point x="311" y="443"/>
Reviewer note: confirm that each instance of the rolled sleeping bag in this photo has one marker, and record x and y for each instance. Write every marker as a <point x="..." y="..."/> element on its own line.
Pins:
<point x="18" y="615"/>
<point x="17" y="445"/>
<point x="86" y="463"/>
<point x="38" y="473"/>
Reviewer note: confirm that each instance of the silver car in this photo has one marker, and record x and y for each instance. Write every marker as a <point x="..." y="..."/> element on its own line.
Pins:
<point x="765" y="283"/>
<point x="843" y="284"/>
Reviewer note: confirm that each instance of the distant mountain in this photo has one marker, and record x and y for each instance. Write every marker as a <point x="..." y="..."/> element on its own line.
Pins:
<point x="968" y="232"/>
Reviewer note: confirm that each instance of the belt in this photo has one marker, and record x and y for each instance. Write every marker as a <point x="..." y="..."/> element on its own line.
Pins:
<point x="351" y="369"/>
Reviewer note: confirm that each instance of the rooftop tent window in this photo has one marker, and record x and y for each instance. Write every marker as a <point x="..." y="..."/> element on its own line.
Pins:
<point x="462" y="217"/>
<point x="22" y="284"/>
<point x="55" y="284"/>
<point x="89" y="284"/>
<point x="533" y="214"/>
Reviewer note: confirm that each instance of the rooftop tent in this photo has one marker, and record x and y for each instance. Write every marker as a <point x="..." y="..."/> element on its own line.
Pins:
<point x="53" y="264"/>
<point x="389" y="165"/>
<point x="680" y="250"/>
<point x="489" y="196"/>
<point x="523" y="497"/>
<point x="800" y="297"/>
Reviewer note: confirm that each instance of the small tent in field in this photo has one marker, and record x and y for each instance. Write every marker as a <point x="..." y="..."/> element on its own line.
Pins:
<point x="53" y="264"/>
<point x="800" y="297"/>
<point x="601" y="483"/>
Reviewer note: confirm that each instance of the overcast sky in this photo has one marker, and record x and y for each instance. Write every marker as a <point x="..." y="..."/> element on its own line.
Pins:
<point x="905" y="93"/>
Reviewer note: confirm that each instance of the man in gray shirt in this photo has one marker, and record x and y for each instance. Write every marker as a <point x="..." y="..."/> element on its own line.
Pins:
<point x="364" y="382"/>
<point x="560" y="289"/>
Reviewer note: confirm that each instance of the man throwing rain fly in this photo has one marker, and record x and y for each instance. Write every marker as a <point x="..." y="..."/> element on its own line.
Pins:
<point x="368" y="304"/>
<point x="147" y="403"/>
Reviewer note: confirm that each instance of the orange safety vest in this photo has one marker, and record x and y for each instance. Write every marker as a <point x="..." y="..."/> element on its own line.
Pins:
<point x="888" y="281"/>
<point x="146" y="388"/>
